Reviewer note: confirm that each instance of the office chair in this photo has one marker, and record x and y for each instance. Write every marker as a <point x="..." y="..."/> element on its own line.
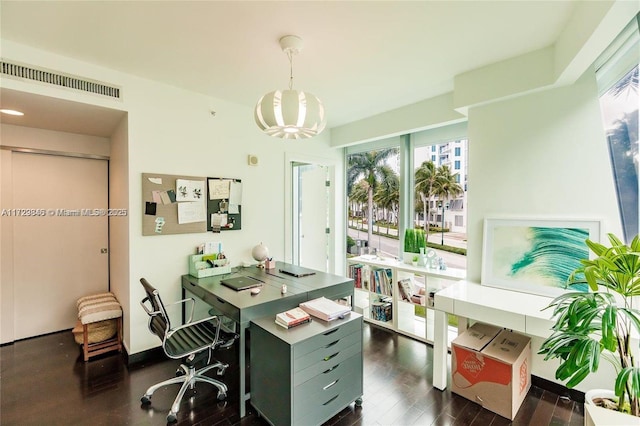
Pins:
<point x="192" y="342"/>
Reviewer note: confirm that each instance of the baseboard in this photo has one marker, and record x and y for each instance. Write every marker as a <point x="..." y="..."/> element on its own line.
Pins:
<point x="557" y="388"/>
<point x="154" y="354"/>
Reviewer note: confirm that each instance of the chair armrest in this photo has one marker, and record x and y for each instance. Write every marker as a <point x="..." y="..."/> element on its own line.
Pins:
<point x="183" y="301"/>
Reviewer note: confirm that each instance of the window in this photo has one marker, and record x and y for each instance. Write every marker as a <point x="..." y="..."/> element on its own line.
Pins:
<point x="373" y="201"/>
<point x="457" y="151"/>
<point x="617" y="75"/>
<point x="377" y="166"/>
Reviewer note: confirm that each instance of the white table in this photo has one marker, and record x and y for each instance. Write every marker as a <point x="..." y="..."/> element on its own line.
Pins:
<point x="520" y="312"/>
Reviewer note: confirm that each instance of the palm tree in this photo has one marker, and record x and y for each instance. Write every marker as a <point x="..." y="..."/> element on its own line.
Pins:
<point x="368" y="166"/>
<point x="359" y="194"/>
<point x="387" y="194"/>
<point x="426" y="176"/>
<point x="446" y="185"/>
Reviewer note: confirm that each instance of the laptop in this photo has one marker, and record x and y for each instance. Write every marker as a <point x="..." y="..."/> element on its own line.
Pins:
<point x="241" y="283"/>
<point x="296" y="271"/>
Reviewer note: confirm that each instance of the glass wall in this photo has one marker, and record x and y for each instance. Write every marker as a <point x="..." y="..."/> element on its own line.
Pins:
<point x="617" y="74"/>
<point x="414" y="183"/>
<point x="373" y="201"/>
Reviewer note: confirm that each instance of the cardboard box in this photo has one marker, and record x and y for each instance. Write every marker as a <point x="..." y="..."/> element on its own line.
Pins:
<point x="492" y="368"/>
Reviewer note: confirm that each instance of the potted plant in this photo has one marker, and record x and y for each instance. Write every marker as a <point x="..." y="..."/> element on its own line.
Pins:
<point x="414" y="239"/>
<point x="600" y="323"/>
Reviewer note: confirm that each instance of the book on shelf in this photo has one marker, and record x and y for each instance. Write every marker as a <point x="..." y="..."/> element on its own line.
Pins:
<point x="292" y="317"/>
<point x="382" y="279"/>
<point x="382" y="310"/>
<point x="325" y="309"/>
<point x="355" y="272"/>
<point x="405" y="289"/>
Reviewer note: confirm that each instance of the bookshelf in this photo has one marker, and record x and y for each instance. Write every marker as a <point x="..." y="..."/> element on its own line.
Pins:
<point x="379" y="297"/>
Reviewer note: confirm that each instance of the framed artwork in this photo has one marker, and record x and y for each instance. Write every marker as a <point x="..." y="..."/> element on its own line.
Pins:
<point x="535" y="255"/>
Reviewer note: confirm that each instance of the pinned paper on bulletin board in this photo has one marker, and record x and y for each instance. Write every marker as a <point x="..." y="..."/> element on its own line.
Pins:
<point x="189" y="190"/>
<point x="224" y="204"/>
<point x="163" y="211"/>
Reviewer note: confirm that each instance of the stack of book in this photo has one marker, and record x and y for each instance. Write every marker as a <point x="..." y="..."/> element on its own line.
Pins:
<point x="382" y="310"/>
<point x="325" y="309"/>
<point x="292" y="318"/>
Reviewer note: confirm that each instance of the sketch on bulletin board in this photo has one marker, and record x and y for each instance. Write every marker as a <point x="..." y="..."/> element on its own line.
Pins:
<point x="189" y="190"/>
<point x="224" y="204"/>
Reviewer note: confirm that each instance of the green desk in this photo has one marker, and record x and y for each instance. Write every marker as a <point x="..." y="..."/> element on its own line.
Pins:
<point x="242" y="306"/>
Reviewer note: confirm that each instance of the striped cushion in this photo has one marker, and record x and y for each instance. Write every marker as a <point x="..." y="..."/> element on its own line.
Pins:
<point x="94" y="297"/>
<point x="98" y="307"/>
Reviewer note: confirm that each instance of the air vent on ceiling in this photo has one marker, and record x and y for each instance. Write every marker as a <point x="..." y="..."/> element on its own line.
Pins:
<point x="58" y="79"/>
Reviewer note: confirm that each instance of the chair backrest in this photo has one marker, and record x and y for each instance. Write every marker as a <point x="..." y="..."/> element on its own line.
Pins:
<point x="159" y="323"/>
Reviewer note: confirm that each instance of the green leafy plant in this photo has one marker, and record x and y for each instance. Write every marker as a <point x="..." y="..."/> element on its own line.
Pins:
<point x="410" y="240"/>
<point x="600" y="323"/>
<point x="414" y="239"/>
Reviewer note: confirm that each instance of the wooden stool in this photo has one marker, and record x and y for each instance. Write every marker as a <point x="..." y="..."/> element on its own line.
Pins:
<point x="95" y="313"/>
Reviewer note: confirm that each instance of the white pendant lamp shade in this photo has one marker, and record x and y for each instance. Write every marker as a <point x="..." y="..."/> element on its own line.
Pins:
<point x="290" y="114"/>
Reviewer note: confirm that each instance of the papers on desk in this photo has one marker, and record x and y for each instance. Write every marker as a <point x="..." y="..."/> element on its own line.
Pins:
<point x="292" y="318"/>
<point x="325" y="309"/>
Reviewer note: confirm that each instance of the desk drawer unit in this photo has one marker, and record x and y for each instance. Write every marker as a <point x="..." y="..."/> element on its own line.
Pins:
<point x="307" y="374"/>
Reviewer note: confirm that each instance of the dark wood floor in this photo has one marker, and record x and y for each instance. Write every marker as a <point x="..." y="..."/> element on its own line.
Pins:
<point x="44" y="381"/>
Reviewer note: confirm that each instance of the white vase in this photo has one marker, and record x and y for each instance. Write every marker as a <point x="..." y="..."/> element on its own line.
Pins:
<point x="422" y="258"/>
<point x="599" y="416"/>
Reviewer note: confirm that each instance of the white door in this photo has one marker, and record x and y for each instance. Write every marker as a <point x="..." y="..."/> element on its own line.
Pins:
<point x="60" y="249"/>
<point x="311" y="217"/>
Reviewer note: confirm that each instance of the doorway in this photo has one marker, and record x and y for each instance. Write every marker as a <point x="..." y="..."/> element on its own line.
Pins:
<point x="60" y="249"/>
<point x="310" y="215"/>
<point x="309" y="201"/>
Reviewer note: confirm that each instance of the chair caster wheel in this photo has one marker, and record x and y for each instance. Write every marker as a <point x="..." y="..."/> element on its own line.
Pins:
<point x="171" y="418"/>
<point x="359" y="402"/>
<point x="221" y="396"/>
<point x="145" y="399"/>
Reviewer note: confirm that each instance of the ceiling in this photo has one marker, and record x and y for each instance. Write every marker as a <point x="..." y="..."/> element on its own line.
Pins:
<point x="360" y="58"/>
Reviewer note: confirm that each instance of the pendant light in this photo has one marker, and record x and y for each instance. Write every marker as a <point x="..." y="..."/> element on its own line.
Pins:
<point x="290" y="114"/>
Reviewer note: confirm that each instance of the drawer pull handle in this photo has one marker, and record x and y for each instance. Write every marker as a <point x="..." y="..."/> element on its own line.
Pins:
<point x="331" y="369"/>
<point x="331" y="400"/>
<point x="330" y="332"/>
<point x="327" y="358"/>
<point x="220" y="300"/>
<point x="330" y="384"/>
<point x="332" y="343"/>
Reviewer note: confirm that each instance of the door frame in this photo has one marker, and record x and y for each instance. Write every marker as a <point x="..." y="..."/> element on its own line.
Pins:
<point x="290" y="160"/>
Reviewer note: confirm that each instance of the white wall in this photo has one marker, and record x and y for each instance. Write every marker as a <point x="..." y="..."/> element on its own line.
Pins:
<point x="119" y="250"/>
<point x="171" y="131"/>
<point x="541" y="155"/>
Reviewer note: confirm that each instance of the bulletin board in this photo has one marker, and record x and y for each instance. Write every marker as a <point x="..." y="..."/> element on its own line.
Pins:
<point x="224" y="204"/>
<point x="173" y="204"/>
